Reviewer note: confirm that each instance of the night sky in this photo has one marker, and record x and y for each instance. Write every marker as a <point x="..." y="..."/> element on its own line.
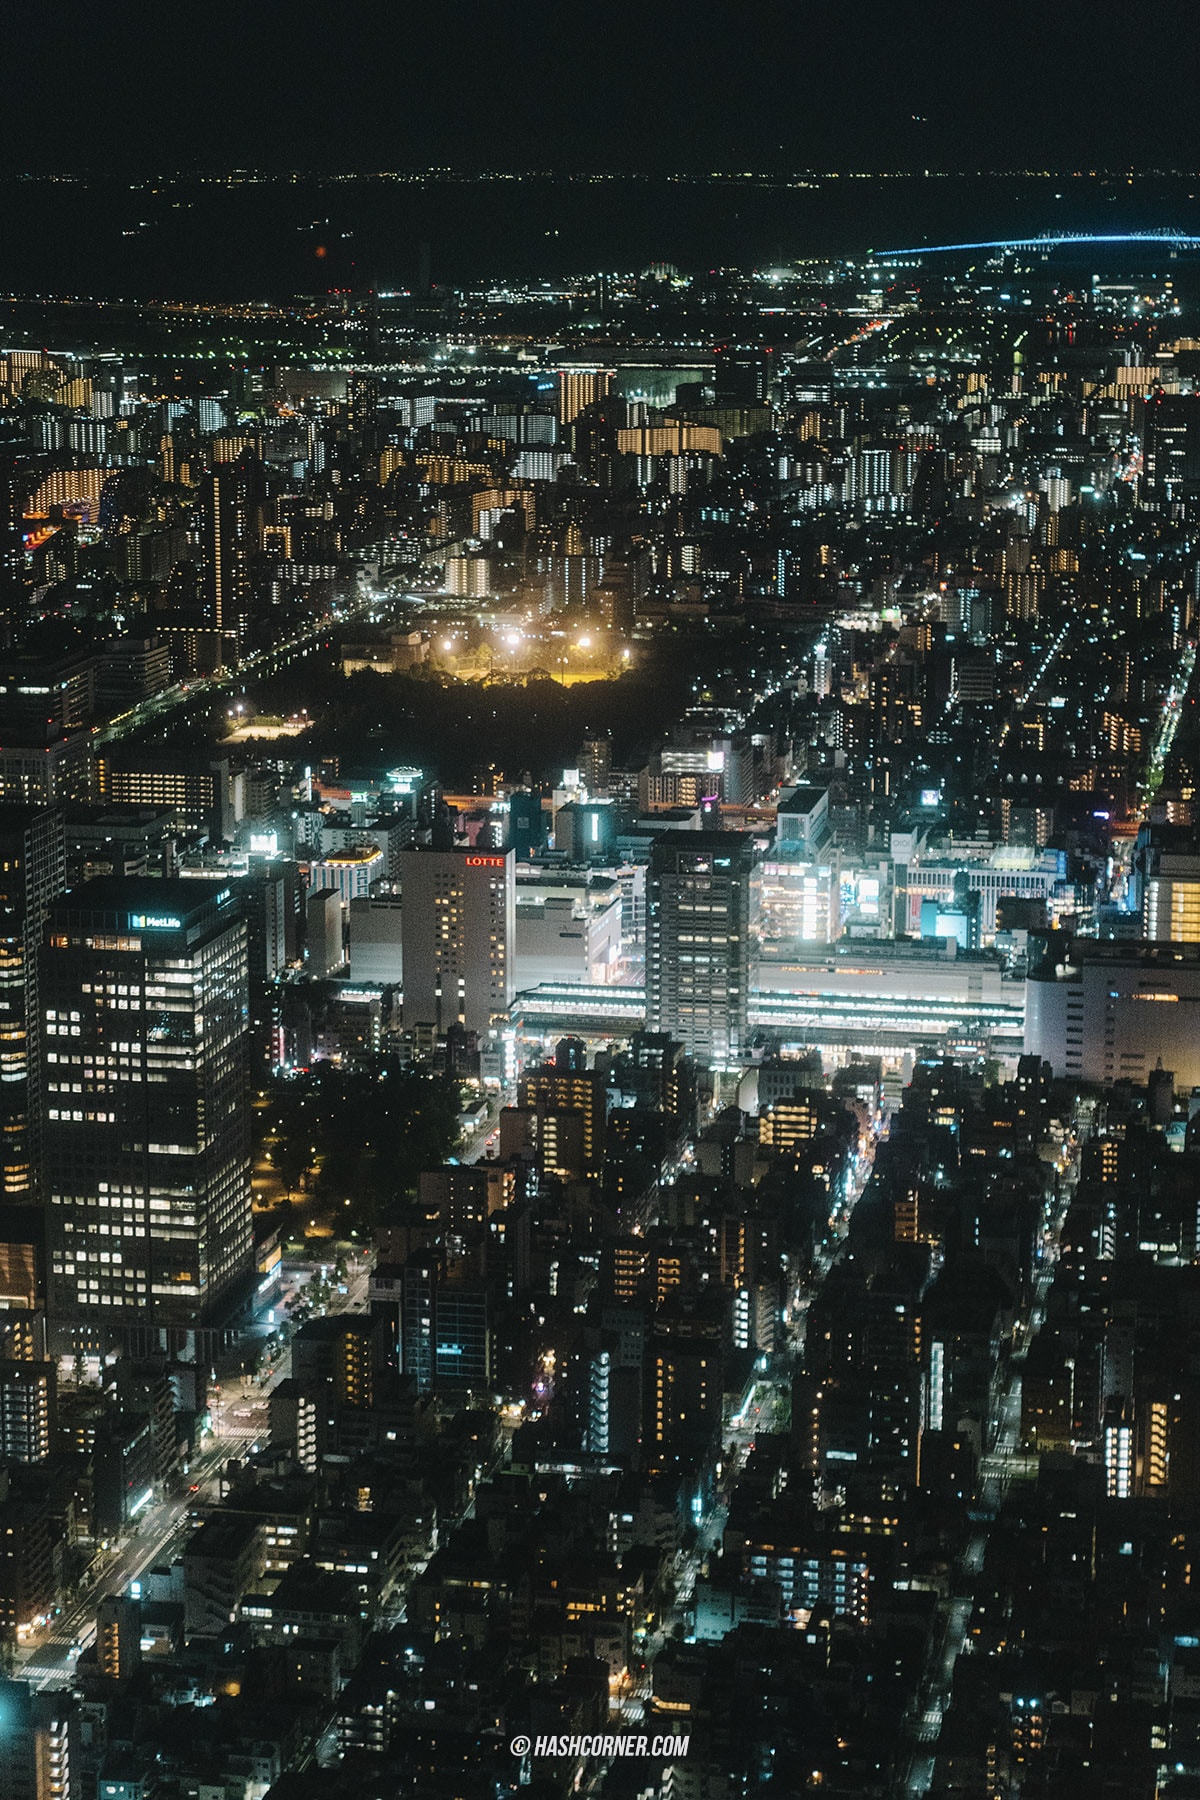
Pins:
<point x="142" y="87"/>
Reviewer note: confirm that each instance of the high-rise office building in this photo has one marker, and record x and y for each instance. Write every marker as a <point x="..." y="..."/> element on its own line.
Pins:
<point x="32" y="874"/>
<point x="144" y="1106"/>
<point x="1171" y="454"/>
<point x="46" y="705"/>
<point x="698" y="940"/>
<point x="459" y="921"/>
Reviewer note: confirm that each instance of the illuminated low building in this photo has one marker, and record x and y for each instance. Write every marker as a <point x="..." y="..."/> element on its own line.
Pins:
<point x="1105" y="1010"/>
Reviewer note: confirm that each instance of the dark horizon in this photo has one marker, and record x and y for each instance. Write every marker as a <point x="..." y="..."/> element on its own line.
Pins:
<point x="624" y="87"/>
<point x="250" y="235"/>
<point x="482" y="169"/>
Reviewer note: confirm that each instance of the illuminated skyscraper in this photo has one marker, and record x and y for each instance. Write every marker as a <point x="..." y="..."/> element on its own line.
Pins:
<point x="144" y="1107"/>
<point x="32" y="874"/>
<point x="13" y="592"/>
<point x="698" y="940"/>
<point x="229" y="498"/>
<point x="458" y="925"/>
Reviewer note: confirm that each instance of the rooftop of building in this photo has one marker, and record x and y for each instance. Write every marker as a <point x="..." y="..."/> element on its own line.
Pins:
<point x="16" y="817"/>
<point x="1061" y="953"/>
<point x="803" y="799"/>
<point x="729" y="843"/>
<point x="331" y="1327"/>
<point x="353" y="856"/>
<point x="161" y="899"/>
<point x="223" y="1535"/>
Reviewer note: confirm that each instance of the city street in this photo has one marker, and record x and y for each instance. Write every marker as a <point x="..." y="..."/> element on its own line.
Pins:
<point x="954" y="1612"/>
<point x="162" y="1529"/>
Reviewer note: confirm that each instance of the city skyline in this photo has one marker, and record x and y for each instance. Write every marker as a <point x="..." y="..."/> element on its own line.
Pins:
<point x="600" y="871"/>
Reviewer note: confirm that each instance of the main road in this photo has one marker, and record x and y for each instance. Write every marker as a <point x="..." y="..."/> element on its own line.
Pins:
<point x="267" y="661"/>
<point x="161" y="1529"/>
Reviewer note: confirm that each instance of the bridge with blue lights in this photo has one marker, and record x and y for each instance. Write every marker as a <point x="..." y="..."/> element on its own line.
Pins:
<point x="1165" y="237"/>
